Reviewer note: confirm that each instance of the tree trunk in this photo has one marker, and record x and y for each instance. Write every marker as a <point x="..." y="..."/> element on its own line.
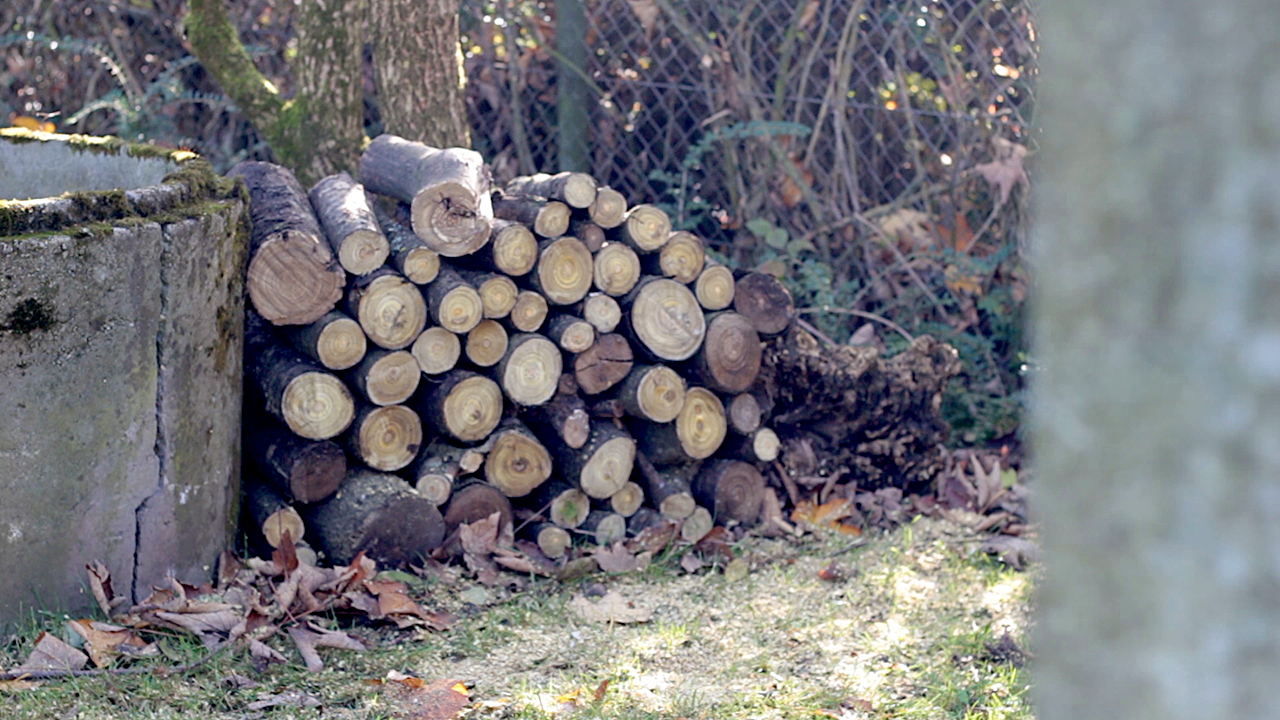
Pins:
<point x="378" y="514"/>
<point x="512" y="250"/>
<point x="547" y="218"/>
<point x="565" y="417"/>
<point x="765" y="301"/>
<point x="271" y="514"/>
<point x="729" y="359"/>
<point x="453" y="303"/>
<point x="349" y="224"/>
<point x="335" y="341"/>
<point x="497" y="292"/>
<point x="602" y="311"/>
<point x="605" y="527"/>
<point x="744" y="413"/>
<point x="529" y="313"/>
<point x="668" y="489"/>
<point x="571" y="333"/>
<point x="645" y="228"/>
<point x="473" y="502"/>
<point x="440" y="467"/>
<point x="313" y="402"/>
<point x="682" y="258"/>
<point x="566" y="506"/>
<point x="564" y="272"/>
<point x="408" y="253"/>
<point x="714" y="287"/>
<point x="1157" y="408"/>
<point x="697" y="432"/>
<point x="553" y="540"/>
<point x="418" y="68"/>
<point x="591" y="234"/>
<point x="603" y="465"/>
<point x="574" y="189"/>
<point x="609" y="209"/>
<point x="617" y="269"/>
<point x="697" y="525"/>
<point x="627" y="500"/>
<point x="732" y="489"/>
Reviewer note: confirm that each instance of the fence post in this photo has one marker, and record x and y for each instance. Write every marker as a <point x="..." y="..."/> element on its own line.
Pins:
<point x="573" y="97"/>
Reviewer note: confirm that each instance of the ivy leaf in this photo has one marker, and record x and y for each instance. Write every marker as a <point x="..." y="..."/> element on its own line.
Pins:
<point x="759" y="227"/>
<point x="777" y="238"/>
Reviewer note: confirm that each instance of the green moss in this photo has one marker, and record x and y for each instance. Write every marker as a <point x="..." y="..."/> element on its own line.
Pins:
<point x="30" y="315"/>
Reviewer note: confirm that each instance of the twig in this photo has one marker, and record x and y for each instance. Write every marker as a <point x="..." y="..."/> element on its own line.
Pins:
<point x="787" y="483"/>
<point x="862" y="314"/>
<point x="816" y="332"/>
<point x="893" y="246"/>
<point x="58" y="674"/>
<point x="862" y="540"/>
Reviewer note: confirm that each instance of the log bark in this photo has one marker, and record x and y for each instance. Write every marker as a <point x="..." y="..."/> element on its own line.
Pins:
<point x="566" y="506"/>
<point x="518" y="462"/>
<point x="529" y="312"/>
<point x="646" y="228"/>
<point x="617" y="269"/>
<point x="453" y="303"/>
<point x="377" y="514"/>
<point x="349" y="224"/>
<point x="447" y="191"/>
<point x="293" y="278"/>
<point x="732" y="489"/>
<point x="652" y="392"/>
<point x="572" y="334"/>
<point x="564" y="417"/>
<point x="697" y="432"/>
<point x="530" y="370"/>
<point x="440" y="467"/>
<point x="668" y="489"/>
<point x="627" y="500"/>
<point x="385" y="377"/>
<point x="486" y="343"/>
<point x="385" y="438"/>
<point x="682" y="258"/>
<point x="271" y="513"/>
<point x="307" y="471"/>
<point x="408" y="253"/>
<point x="461" y="404"/>
<point x="473" y="502"/>
<point x="437" y="350"/>
<point x="609" y="209"/>
<point x="591" y="234"/>
<point x="603" y="365"/>
<point x="497" y="292"/>
<point x="603" y="465"/>
<point x="547" y="218"/>
<point x="311" y="401"/>
<point x="605" y="527"/>
<point x="729" y="359"/>
<point x="715" y="287"/>
<point x="664" y="319"/>
<point x="744" y="413"/>
<point x="765" y="301"/>
<point x="335" y="341"/>
<point x="575" y="189"/>
<point x="564" y="272"/>
<point x="389" y="308"/>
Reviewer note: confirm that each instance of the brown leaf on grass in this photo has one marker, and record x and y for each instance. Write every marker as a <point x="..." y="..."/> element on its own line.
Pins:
<point x="827" y="515"/>
<point x="415" y="699"/>
<point x="578" y="567"/>
<point x="308" y="638"/>
<point x="479" y="540"/>
<point x="263" y="655"/>
<point x="612" y="608"/>
<point x="1015" y="552"/>
<point x="654" y="539"/>
<point x="1006" y="170"/>
<point x="51" y="653"/>
<point x="18" y="685"/>
<point x="716" y="543"/>
<point x="990" y="485"/>
<point x="691" y="563"/>
<point x="103" y="641"/>
<point x="288" y="698"/>
<point x="100" y="586"/>
<point x="522" y="564"/>
<point x="618" y="559"/>
<point x="211" y="627"/>
<point x="601" y="689"/>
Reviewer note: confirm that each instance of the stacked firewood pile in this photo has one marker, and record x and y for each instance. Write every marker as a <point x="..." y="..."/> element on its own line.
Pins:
<point x="424" y="351"/>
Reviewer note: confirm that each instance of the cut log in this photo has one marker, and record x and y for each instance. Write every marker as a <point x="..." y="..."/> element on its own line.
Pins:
<point x="303" y="470"/>
<point x="408" y="253"/>
<point x="385" y="377"/>
<point x="575" y="189"/>
<point x="313" y="402"/>
<point x="497" y="292"/>
<point x="437" y="350"/>
<point x="609" y="209"/>
<point x="453" y="303"/>
<point x="646" y="228"/>
<point x="553" y="540"/>
<point x="389" y="308"/>
<point x="681" y="258"/>
<point x="547" y="218"/>
<point x="605" y="527"/>
<point x="349" y="224"/>
<point x="668" y="490"/>
<point x="697" y="432"/>
<point x="715" y="287"/>
<point x="617" y="269"/>
<point x="744" y="413"/>
<point x="564" y="417"/>
<point x="600" y="310"/>
<point x="440" y="467"/>
<point x="664" y="319"/>
<point x="645" y="518"/>
<point x="627" y="500"/>
<point x="696" y="526"/>
<point x="608" y="409"/>
<point x="335" y="340"/>
<point x="766" y="445"/>
<point x="463" y="405"/>
<point x="564" y="272"/>
<point x="603" y="365"/>
<point x="530" y="369"/>
<point x="385" y="438"/>
<point x="729" y="359"/>
<point x="765" y="301"/>
<point x="518" y="463"/>
<point x="447" y="191"/>
<point x="571" y="333"/>
<point x="732" y="489"/>
<point x="529" y="312"/>
<point x="473" y="502"/>
<point x="591" y="234"/>
<point x="513" y="250"/>
<point x="293" y="278"/>
<point x="603" y="465"/>
<point x="486" y="343"/>
<point x="377" y="514"/>
<point x="566" y="506"/>
<point x="271" y="514"/>
<point x="652" y="392"/>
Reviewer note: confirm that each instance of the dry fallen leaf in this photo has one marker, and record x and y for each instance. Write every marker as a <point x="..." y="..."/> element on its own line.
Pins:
<point x="827" y="515"/>
<point x="1006" y="170"/>
<point x="18" y="685"/>
<point x="263" y="656"/>
<point x="100" y="585"/>
<point x="414" y="699"/>
<point x="617" y="559"/>
<point x="52" y="653"/>
<point x="691" y="563"/>
<point x="1015" y="552"/>
<point x="288" y="698"/>
<point x="612" y="608"/>
<point x="313" y="636"/>
<point x="103" y="641"/>
<point x="737" y="570"/>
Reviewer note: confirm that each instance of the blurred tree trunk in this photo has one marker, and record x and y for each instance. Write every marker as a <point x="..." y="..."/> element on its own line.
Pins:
<point x="1158" y="416"/>
<point x="418" y="66"/>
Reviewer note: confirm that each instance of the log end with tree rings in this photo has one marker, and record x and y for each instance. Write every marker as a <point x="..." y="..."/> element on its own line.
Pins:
<point x="609" y="467"/>
<point x="553" y="540"/>
<point x="570" y="333"/>
<point x="475" y="502"/>
<point x="627" y="500"/>
<point x="335" y="340"/>
<point x="677" y="506"/>
<point x="529" y="312"/>
<point x="646" y="228"/>
<point x="363" y="251"/>
<point x="450" y="219"/>
<point x="391" y="311"/>
<point x="603" y="365"/>
<point x="605" y="527"/>
<point x="435" y="487"/>
<point x="617" y="269"/>
<point x="730" y="358"/>
<point x="765" y="301"/>
<point x="437" y="350"/>
<point x="658" y="395"/>
<point x="579" y="190"/>
<point x="530" y="371"/>
<point x="715" y="287"/>
<point x="565" y="271"/>
<point x="317" y="406"/>
<point x="286" y="520"/>
<point x="552" y="220"/>
<point x="378" y="514"/>
<point x="486" y="343"/>
<point x="602" y="311"/>
<point x="683" y="257"/>
<point x="387" y="438"/>
<point x="420" y="264"/>
<point x="733" y="489"/>
<point x="387" y="377"/>
<point x="293" y="279"/>
<point x="744" y="413"/>
<point x="497" y="295"/>
<point x="514" y="249"/>
<point x="701" y="424"/>
<point x="609" y="209"/>
<point x="766" y="444"/>
<point x="569" y="507"/>
<point x="460" y="309"/>
<point x="472" y="409"/>
<point x="518" y="463"/>
<point x="697" y="525"/>
<point x="667" y="319"/>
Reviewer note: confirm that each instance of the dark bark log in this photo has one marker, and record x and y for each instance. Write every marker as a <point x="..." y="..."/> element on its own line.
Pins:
<point x="591" y="234"/>
<point x="336" y="341"/>
<point x="487" y="343"/>
<point x="565" y="418"/>
<point x="418" y="69"/>
<point x="697" y="432"/>
<point x="530" y="370"/>
<point x="497" y="292"/>
<point x="575" y="189"/>
<point x="547" y="218"/>
<point x="664" y="320"/>
<point x="564" y="272"/>
<point x="349" y="224"/>
<point x="609" y="209"/>
<point x="437" y="350"/>
<point x="473" y="502"/>
<point x="378" y="514"/>
<point x="461" y="404"/>
<point x="385" y="377"/>
<point x="682" y="258"/>
<point x="667" y="489"/>
<point x="732" y="489"/>
<point x="609" y="409"/>
<point x="714" y="287"/>
<point x="408" y="253"/>
<point x="311" y="401"/>
<point x="646" y="228"/>
<point x="518" y="462"/>
<point x="440" y="467"/>
<point x="652" y="392"/>
<point x="307" y="471"/>
<point x="765" y="301"/>
<point x="603" y="465"/>
<point x="448" y="191"/>
<point x="572" y="334"/>
<point x="389" y="308"/>
<point x="617" y="269"/>
<point x="762" y="445"/>
<point x="293" y="278"/>
<point x="729" y="359"/>
<point x="645" y="518"/>
<point x="271" y="513"/>
<point x="529" y="313"/>
<point x="744" y="413"/>
<point x="603" y="365"/>
<point x="605" y="527"/>
<point x="627" y="500"/>
<point x="385" y="438"/>
<point x="453" y="303"/>
<point x="566" y="506"/>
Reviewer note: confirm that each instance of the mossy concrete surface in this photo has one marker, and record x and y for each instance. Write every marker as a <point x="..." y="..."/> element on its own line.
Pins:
<point x="121" y="329"/>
